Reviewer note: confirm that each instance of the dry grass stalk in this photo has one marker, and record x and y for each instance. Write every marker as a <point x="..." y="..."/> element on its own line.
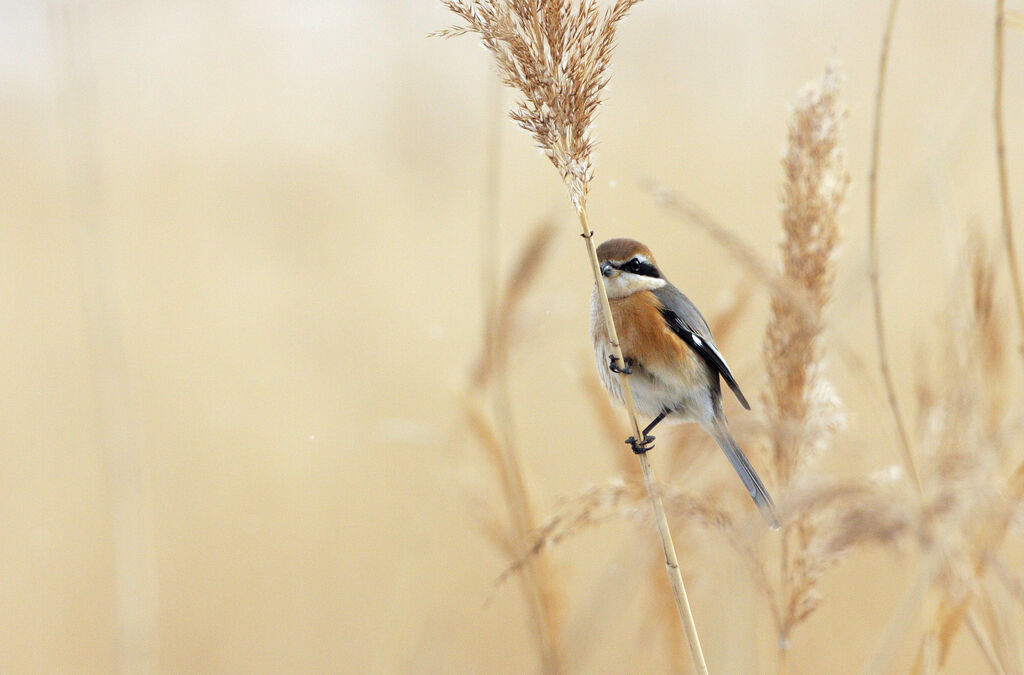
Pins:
<point x="876" y="291"/>
<point x="908" y="458"/>
<point x="1004" y="183"/>
<point x="497" y="439"/>
<point x="800" y="405"/>
<point x="556" y="53"/>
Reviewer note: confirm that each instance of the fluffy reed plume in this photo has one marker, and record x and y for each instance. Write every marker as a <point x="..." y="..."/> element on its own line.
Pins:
<point x="977" y="479"/>
<point x="556" y="53"/>
<point x="973" y="485"/>
<point x="494" y="433"/>
<point x="800" y="404"/>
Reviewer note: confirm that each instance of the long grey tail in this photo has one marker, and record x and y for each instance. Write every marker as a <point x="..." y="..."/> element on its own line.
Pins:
<point x="758" y="492"/>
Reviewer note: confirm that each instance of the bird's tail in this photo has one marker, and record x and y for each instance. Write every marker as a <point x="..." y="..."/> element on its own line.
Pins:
<point x="758" y="492"/>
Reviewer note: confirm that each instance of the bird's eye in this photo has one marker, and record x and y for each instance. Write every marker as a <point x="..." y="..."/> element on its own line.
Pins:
<point x="633" y="265"/>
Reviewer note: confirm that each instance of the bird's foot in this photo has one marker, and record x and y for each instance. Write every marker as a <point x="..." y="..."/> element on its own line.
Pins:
<point x="638" y="447"/>
<point x="613" y="365"/>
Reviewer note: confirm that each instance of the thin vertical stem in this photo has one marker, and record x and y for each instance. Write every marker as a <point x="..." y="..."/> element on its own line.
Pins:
<point x="883" y="352"/>
<point x="876" y="135"/>
<point x="675" y="577"/>
<point x="1004" y="183"/>
<point x="542" y="622"/>
<point x="490" y="230"/>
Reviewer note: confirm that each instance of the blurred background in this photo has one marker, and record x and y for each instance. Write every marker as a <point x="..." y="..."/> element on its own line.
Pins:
<point x="245" y="265"/>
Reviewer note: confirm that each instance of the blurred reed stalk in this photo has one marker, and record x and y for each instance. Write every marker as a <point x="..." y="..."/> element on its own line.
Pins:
<point x="1004" y="182"/>
<point x="977" y="485"/>
<point x="127" y="468"/>
<point x="883" y="358"/>
<point x="557" y="53"/>
<point x="974" y="486"/>
<point x="801" y="407"/>
<point x="495" y="431"/>
<point x="876" y="291"/>
<point x="490" y="381"/>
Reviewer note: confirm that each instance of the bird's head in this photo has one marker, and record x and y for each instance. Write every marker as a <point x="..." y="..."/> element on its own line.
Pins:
<point x="628" y="267"/>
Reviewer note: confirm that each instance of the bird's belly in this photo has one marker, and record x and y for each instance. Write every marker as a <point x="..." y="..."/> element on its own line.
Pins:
<point x="653" y="394"/>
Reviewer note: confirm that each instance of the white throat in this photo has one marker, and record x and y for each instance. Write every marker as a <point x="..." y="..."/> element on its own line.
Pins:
<point x="627" y="283"/>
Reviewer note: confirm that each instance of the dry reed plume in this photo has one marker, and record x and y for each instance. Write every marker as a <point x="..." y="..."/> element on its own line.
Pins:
<point x="556" y="53"/>
<point x="976" y="483"/>
<point x="800" y="404"/>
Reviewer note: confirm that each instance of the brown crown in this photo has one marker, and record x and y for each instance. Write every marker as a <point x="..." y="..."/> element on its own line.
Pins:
<point x="620" y="250"/>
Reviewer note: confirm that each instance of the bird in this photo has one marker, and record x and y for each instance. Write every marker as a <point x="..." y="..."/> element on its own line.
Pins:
<point x="674" y="367"/>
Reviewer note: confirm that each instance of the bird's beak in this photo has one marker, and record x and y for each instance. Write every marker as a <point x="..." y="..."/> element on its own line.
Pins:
<point x="607" y="269"/>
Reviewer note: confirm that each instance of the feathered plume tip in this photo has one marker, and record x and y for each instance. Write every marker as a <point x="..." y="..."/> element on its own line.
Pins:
<point x="556" y="53"/>
<point x="816" y="179"/>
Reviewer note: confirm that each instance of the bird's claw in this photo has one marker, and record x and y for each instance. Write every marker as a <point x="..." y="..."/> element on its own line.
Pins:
<point x="638" y="447"/>
<point x="613" y="365"/>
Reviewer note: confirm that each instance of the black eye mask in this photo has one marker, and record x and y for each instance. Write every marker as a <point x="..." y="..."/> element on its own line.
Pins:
<point x="635" y="266"/>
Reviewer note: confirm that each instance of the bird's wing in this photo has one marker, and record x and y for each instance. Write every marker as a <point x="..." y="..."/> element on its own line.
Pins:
<point x="686" y="321"/>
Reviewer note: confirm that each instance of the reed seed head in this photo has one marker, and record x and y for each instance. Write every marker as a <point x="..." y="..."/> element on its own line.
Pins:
<point x="556" y="53"/>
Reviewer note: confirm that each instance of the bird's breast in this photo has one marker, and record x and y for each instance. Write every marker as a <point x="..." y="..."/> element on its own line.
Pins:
<point x="666" y="370"/>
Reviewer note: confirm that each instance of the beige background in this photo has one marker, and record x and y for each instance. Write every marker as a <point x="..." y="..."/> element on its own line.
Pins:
<point x="241" y="289"/>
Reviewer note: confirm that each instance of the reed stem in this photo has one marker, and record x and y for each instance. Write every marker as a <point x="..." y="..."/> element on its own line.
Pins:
<point x="876" y="292"/>
<point x="675" y="577"/>
<point x="876" y="133"/>
<point x="1004" y="183"/>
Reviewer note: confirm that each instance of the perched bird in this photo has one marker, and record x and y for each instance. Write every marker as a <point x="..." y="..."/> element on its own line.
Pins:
<point x="670" y="356"/>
